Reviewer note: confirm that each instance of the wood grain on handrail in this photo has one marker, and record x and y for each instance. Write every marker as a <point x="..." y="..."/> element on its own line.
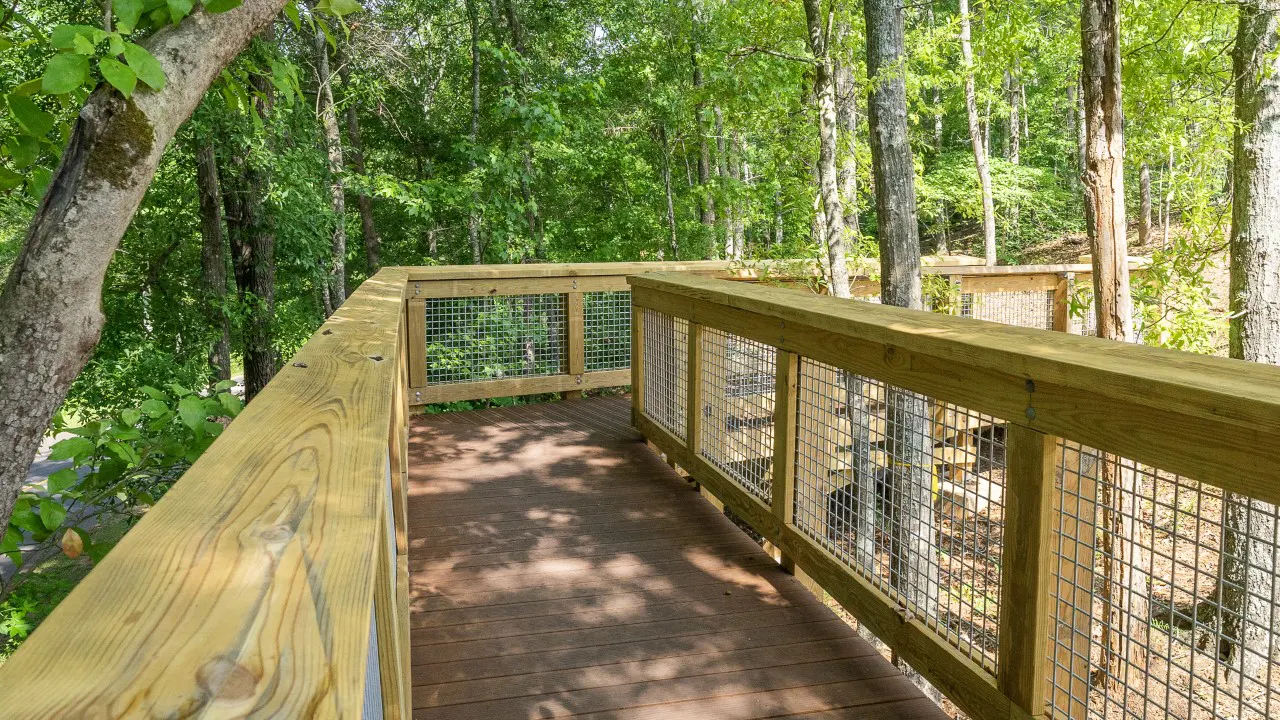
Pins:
<point x="248" y="589"/>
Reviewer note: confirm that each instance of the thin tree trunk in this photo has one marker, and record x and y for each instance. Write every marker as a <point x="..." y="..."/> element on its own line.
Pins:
<point x="1124" y="595"/>
<point x="213" y="259"/>
<point x="1144" y="210"/>
<point x="532" y="213"/>
<point x="1014" y="147"/>
<point x="333" y="146"/>
<point x="1073" y="102"/>
<point x="1168" y="201"/>
<point x="355" y="144"/>
<point x="777" y="219"/>
<point x="911" y="523"/>
<point x="824" y="96"/>
<point x="847" y="134"/>
<point x="739" y="172"/>
<point x="708" y="214"/>
<point x="473" y="215"/>
<point x="976" y="139"/>
<point x="1250" y="600"/>
<point x="666" y="185"/>
<point x="936" y="96"/>
<point x="722" y="171"/>
<point x="50" y="309"/>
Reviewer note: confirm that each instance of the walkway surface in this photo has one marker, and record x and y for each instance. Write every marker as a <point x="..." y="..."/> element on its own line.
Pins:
<point x="559" y="568"/>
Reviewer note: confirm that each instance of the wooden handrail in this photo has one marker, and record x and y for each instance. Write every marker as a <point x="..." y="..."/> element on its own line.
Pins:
<point x="250" y="588"/>
<point x="1213" y="419"/>
<point x="1202" y="416"/>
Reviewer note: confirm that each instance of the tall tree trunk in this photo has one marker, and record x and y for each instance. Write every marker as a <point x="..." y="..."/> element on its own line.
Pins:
<point x="213" y="259"/>
<point x="824" y="96"/>
<point x="708" y="214"/>
<point x="666" y="185"/>
<point x="1014" y="148"/>
<point x="252" y="237"/>
<point x="1124" y="595"/>
<point x="1250" y="600"/>
<point x="1073" y="103"/>
<point x="532" y="213"/>
<point x="1168" y="200"/>
<point x="338" y="197"/>
<point x="847" y="134"/>
<point x="1144" y="208"/>
<point x="738" y="172"/>
<point x="355" y="144"/>
<point x="909" y="483"/>
<point x="976" y="139"/>
<point x="722" y="171"/>
<point x="936" y="95"/>
<point x="473" y="215"/>
<point x="50" y="305"/>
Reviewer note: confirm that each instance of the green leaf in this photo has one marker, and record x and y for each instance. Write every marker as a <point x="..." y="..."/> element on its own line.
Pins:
<point x="291" y="11"/>
<point x="52" y="513"/>
<point x="74" y="447"/>
<point x="154" y="408"/>
<point x="61" y="480"/>
<point x="24" y="150"/>
<point x="130" y="417"/>
<point x="65" y="72"/>
<point x="28" y="88"/>
<point x="221" y="6"/>
<point x="128" y="12"/>
<point x="191" y="410"/>
<point x="118" y="74"/>
<point x="224" y="385"/>
<point x="179" y="390"/>
<point x="69" y="37"/>
<point x="341" y="7"/>
<point x="154" y="393"/>
<point x="82" y="46"/>
<point x="179" y="9"/>
<point x="25" y="518"/>
<point x="12" y="539"/>
<point x="115" y="44"/>
<point x="9" y="179"/>
<point x="35" y="121"/>
<point x="232" y="404"/>
<point x="145" y="65"/>
<point x="39" y="182"/>
<point x="124" y="452"/>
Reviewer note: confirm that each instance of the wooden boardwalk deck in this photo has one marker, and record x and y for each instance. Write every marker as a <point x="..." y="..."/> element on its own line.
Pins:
<point x="559" y="568"/>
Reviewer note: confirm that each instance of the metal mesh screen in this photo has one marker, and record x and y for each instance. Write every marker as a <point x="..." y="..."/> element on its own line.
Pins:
<point x="909" y="493"/>
<point x="489" y="338"/>
<point x="738" y="377"/>
<point x="1031" y="308"/>
<point x="607" y="328"/>
<point x="1166" y="596"/>
<point x="666" y="370"/>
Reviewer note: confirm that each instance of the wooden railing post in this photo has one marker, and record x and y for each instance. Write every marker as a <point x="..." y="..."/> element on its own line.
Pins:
<point x="416" y="314"/>
<point x="637" y="363"/>
<point x="693" y="391"/>
<point x="575" y="332"/>
<point x="1026" y="567"/>
<point x="784" y="442"/>
<point x="1062" y="302"/>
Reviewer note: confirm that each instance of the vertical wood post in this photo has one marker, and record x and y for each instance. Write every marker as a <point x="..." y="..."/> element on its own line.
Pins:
<point x="784" y="442"/>
<point x="416" y="310"/>
<point x="1026" y="567"/>
<point x="575" y="333"/>
<point x="693" y="391"/>
<point x="1062" y="302"/>
<point x="637" y="363"/>
<point x="392" y="631"/>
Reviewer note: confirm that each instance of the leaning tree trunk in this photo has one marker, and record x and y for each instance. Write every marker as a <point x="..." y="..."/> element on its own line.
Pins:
<point x="976" y="139"/>
<point x="368" y="232"/>
<point x="1249" y="595"/>
<point x="909" y="475"/>
<point x="824" y="97"/>
<point x="1124" y="595"/>
<point x="50" y="307"/>
<point x="213" y="259"/>
<point x="337" y="194"/>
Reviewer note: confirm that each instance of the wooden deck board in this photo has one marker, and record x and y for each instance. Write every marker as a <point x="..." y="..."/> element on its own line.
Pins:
<point x="559" y="568"/>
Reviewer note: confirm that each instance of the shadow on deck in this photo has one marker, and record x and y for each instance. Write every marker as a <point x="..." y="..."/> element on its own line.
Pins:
<point x="559" y="568"/>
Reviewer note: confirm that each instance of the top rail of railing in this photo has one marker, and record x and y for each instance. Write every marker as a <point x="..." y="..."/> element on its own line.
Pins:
<point x="270" y="580"/>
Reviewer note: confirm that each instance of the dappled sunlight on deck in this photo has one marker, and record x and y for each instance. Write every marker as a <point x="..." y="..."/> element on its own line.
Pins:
<point x="559" y="568"/>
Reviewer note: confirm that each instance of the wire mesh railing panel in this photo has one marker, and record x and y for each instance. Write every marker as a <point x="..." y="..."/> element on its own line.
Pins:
<point x="1027" y="308"/>
<point x="1166" y="594"/>
<point x="909" y="492"/>
<point x="607" y="330"/>
<point x="666" y="370"/>
<point x="738" y="380"/>
<point x="490" y="338"/>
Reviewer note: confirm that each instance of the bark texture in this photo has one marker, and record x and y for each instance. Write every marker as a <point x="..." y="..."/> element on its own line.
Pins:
<point x="977" y="139"/>
<point x="473" y="216"/>
<point x="355" y="146"/>
<point x="337" y="273"/>
<point x="824" y="97"/>
<point x="1249" y="598"/>
<point x="50" y="307"/>
<point x="213" y="259"/>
